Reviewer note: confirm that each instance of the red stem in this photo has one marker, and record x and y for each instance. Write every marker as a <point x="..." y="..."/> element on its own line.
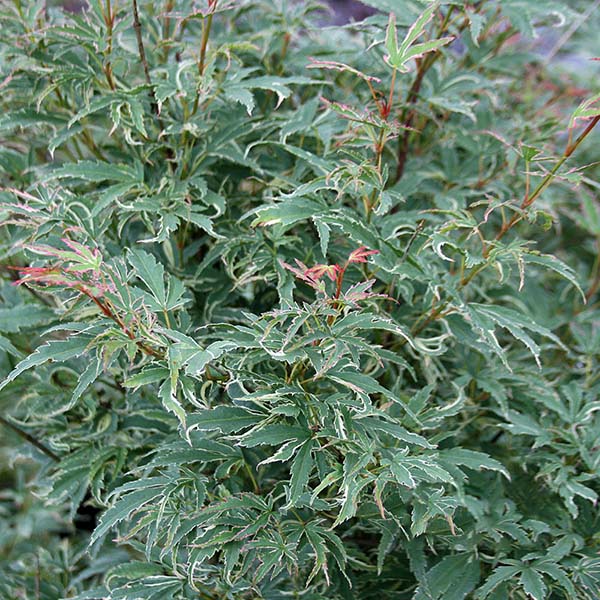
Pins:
<point x="106" y="311"/>
<point x="339" y="280"/>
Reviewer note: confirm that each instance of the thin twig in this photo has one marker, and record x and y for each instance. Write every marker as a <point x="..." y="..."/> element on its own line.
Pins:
<point x="167" y="27"/>
<point x="436" y="312"/>
<point x="410" y="112"/>
<point x="204" y="44"/>
<point x="529" y="200"/>
<point x="140" y="44"/>
<point x="413" y="94"/>
<point x="206" y="27"/>
<point x="108" y="312"/>
<point x="109" y="20"/>
<point x="26" y="436"/>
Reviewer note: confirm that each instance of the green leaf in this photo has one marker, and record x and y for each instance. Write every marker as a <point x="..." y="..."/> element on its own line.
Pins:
<point x="300" y="471"/>
<point x="588" y="109"/>
<point x="8" y="347"/>
<point x="301" y="120"/>
<point x="288" y="212"/>
<point x="124" y="508"/>
<point x="239" y="91"/>
<point x="91" y="373"/>
<point x="473" y="460"/>
<point x="533" y="584"/>
<point x="500" y="575"/>
<point x="95" y="171"/>
<point x="273" y="435"/>
<point x="364" y="385"/>
<point x="134" y="570"/>
<point x="401" y="474"/>
<point x="476" y="24"/>
<point x="395" y="430"/>
<point x="168" y="396"/>
<point x="203" y="222"/>
<point x="398" y="56"/>
<point x="151" y="272"/>
<point x="391" y="38"/>
<point x="197" y="361"/>
<point x="452" y="578"/>
<point x="551" y="262"/>
<point x="148" y="375"/>
<point x="29" y="117"/>
<point x="483" y="317"/>
<point x="226" y="419"/>
<point x="57" y="351"/>
<point x="418" y="50"/>
<point x="356" y="478"/>
<point x="23" y="316"/>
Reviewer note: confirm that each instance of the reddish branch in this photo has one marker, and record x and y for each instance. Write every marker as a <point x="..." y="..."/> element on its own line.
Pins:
<point x="410" y="114"/>
<point x="108" y="312"/>
<point x="528" y="200"/>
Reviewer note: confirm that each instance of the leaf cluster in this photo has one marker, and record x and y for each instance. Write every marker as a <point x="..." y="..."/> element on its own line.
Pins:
<point x="298" y="311"/>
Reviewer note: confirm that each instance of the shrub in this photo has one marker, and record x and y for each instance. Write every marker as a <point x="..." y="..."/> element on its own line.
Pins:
<point x="298" y="312"/>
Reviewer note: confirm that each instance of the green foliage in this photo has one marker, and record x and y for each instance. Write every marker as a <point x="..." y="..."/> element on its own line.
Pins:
<point x="293" y="311"/>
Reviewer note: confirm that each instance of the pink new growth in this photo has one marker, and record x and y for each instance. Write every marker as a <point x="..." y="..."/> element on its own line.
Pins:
<point x="360" y="255"/>
<point x="315" y="273"/>
<point x="335" y="272"/>
<point x="77" y="268"/>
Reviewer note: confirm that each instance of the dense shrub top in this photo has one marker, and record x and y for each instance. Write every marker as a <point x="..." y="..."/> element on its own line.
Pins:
<point x="299" y="312"/>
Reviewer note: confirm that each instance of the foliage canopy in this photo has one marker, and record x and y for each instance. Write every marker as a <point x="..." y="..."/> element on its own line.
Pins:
<point x="294" y="311"/>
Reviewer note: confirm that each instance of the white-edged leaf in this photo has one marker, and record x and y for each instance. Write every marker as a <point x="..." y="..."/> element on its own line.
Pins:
<point x="226" y="419"/>
<point x="95" y="171"/>
<point x="300" y="471"/>
<point x="473" y="460"/>
<point x="55" y="350"/>
<point x="151" y="272"/>
<point x="558" y="266"/>
<point x="123" y="509"/>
